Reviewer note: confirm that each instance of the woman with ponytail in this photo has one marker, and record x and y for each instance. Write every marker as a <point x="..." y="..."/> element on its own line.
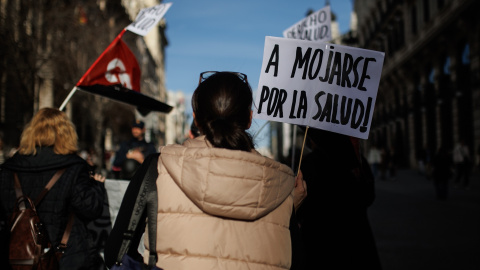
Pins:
<point x="221" y="204"/>
<point x="222" y="110"/>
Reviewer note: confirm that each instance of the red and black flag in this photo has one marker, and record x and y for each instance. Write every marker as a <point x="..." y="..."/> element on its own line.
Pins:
<point x="116" y="66"/>
<point x="116" y="75"/>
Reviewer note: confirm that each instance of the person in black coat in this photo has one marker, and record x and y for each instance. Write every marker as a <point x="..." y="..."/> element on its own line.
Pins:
<point x="442" y="172"/>
<point x="49" y="143"/>
<point x="132" y="153"/>
<point x="335" y="229"/>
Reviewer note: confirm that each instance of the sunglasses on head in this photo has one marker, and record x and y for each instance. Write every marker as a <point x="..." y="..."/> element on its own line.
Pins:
<point x="204" y="75"/>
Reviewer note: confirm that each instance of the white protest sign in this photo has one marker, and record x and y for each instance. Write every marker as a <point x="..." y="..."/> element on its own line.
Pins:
<point x="315" y="27"/>
<point x="320" y="85"/>
<point x="148" y="18"/>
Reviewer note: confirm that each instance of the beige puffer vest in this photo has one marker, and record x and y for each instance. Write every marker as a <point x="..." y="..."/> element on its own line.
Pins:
<point x="222" y="209"/>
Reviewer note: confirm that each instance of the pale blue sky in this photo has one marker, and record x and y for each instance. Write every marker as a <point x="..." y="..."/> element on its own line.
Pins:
<point x="228" y="35"/>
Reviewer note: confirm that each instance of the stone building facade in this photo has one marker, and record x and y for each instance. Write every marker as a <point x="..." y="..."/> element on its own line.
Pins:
<point x="429" y="93"/>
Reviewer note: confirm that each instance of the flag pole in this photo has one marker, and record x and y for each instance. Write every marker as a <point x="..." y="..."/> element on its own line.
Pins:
<point x="89" y="69"/>
<point x="74" y="89"/>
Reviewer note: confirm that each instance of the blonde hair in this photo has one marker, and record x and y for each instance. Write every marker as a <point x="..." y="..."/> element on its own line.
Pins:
<point x="49" y="127"/>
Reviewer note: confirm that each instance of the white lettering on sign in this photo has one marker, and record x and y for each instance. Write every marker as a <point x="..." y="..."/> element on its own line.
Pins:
<point x="320" y="85"/>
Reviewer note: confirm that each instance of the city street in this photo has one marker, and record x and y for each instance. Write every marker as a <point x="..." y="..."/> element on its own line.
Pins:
<point x="414" y="230"/>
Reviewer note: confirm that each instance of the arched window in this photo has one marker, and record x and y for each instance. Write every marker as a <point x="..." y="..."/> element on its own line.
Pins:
<point x="445" y="83"/>
<point x="413" y="16"/>
<point x="431" y="75"/>
<point x="400" y="30"/>
<point x="466" y="54"/>
<point x="426" y="10"/>
<point x="440" y="3"/>
<point x="446" y="66"/>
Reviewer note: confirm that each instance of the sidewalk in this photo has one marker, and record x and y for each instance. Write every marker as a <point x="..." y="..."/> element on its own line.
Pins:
<point x="414" y="231"/>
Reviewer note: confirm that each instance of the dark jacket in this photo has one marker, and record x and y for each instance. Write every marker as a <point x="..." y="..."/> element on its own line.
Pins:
<point x="125" y="168"/>
<point x="334" y="223"/>
<point x="442" y="165"/>
<point x="74" y="192"/>
<point x="145" y="147"/>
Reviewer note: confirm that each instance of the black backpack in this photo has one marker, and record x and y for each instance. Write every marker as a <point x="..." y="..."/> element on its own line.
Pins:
<point x="29" y="244"/>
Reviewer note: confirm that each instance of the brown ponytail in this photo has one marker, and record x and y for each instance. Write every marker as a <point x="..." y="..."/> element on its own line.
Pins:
<point x="222" y="105"/>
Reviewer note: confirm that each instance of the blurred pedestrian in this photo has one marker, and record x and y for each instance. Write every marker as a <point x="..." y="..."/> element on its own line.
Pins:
<point x="48" y="144"/>
<point x="442" y="172"/>
<point x="478" y="158"/>
<point x="384" y="163"/>
<point x="375" y="159"/>
<point x="2" y="153"/>
<point x="333" y="218"/>
<point x="463" y="164"/>
<point x="422" y="161"/>
<point x="392" y="160"/>
<point x="221" y="205"/>
<point x="132" y="153"/>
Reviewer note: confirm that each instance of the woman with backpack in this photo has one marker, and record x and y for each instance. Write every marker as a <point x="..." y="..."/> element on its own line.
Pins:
<point x="48" y="144"/>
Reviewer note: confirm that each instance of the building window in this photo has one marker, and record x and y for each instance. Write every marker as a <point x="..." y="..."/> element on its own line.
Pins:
<point x="390" y="44"/>
<point x="445" y="81"/>
<point x="401" y="33"/>
<point x="426" y="10"/>
<point x="381" y="12"/>
<point x="446" y="66"/>
<point x="440" y="4"/>
<point x="418" y="87"/>
<point x="466" y="54"/>
<point x="414" y="19"/>
<point x="431" y="76"/>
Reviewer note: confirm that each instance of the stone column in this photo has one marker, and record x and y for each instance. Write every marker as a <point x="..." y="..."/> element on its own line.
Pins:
<point x="475" y="67"/>
<point x="455" y="94"/>
<point x="424" y="120"/>
<point x="438" y="104"/>
<point x="410" y="123"/>
<point x="45" y="87"/>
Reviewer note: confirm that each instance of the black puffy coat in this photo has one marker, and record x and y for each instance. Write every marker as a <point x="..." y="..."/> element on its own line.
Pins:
<point x="74" y="192"/>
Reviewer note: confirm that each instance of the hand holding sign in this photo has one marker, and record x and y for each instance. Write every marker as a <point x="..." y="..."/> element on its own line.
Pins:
<point x="321" y="85"/>
<point x="148" y="18"/>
